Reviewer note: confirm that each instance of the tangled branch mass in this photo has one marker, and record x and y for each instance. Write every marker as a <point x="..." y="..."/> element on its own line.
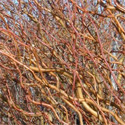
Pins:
<point x="62" y="62"/>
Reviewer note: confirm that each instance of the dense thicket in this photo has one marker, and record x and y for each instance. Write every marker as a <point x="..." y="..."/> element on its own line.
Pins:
<point x="62" y="62"/>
